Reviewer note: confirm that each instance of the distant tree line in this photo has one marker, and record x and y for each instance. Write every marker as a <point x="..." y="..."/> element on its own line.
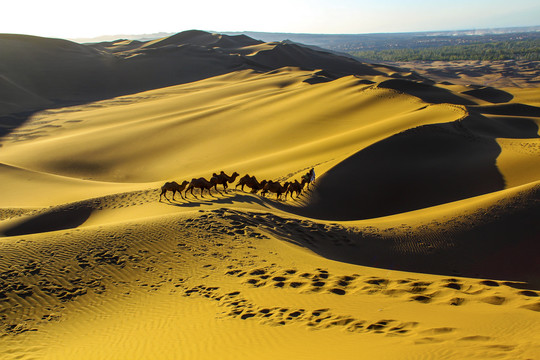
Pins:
<point x="500" y="50"/>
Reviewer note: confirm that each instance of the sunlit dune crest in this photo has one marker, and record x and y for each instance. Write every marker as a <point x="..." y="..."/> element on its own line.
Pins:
<point x="419" y="236"/>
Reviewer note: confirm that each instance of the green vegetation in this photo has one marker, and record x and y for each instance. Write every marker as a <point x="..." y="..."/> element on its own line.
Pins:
<point x="500" y="50"/>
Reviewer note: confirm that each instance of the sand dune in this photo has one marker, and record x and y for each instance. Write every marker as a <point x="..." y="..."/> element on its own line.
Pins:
<point x="419" y="238"/>
<point x="498" y="74"/>
<point x="429" y="165"/>
<point x="78" y="73"/>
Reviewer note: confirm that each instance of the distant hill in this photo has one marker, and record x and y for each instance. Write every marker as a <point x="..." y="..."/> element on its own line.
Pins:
<point x="37" y="72"/>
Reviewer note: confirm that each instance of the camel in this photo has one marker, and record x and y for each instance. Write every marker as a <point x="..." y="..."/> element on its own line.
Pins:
<point x="295" y="187"/>
<point x="174" y="187"/>
<point x="202" y="184"/>
<point x="243" y="181"/>
<point x="252" y="182"/>
<point x="223" y="179"/>
<point x="255" y="188"/>
<point x="275" y="187"/>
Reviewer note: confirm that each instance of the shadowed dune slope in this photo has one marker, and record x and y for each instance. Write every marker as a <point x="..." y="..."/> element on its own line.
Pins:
<point x="48" y="71"/>
<point x="284" y="54"/>
<point x="428" y="93"/>
<point x="490" y="94"/>
<point x="63" y="72"/>
<point x="61" y="218"/>
<point x="418" y="168"/>
<point x="483" y="236"/>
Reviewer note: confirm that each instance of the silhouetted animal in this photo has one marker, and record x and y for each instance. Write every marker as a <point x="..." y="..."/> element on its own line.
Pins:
<point x="251" y="182"/>
<point x="295" y="187"/>
<point x="174" y="187"/>
<point x="202" y="184"/>
<point x="255" y="188"/>
<point x="308" y="178"/>
<point x="223" y="179"/>
<point x="275" y="187"/>
<point x="243" y="181"/>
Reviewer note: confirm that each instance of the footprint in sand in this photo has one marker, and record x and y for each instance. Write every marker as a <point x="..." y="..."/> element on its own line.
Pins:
<point x="422" y="299"/>
<point x="494" y="300"/>
<point x="240" y="308"/>
<point x="456" y="301"/>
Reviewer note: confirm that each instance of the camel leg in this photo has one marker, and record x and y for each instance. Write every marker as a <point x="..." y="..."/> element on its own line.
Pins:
<point x="164" y="193"/>
<point x="173" y="193"/>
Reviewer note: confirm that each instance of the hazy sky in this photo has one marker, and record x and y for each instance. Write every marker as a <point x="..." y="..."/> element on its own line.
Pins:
<point x="75" y="19"/>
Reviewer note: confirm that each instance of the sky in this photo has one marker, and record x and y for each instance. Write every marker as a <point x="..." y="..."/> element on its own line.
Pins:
<point x="72" y="19"/>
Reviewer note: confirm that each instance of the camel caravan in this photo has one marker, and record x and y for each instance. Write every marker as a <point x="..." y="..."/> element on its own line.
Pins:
<point x="264" y="186"/>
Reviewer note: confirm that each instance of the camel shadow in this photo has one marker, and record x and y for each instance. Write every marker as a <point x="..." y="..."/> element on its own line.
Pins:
<point x="229" y="198"/>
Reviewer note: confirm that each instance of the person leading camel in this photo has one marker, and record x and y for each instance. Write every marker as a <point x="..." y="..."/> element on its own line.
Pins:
<point x="308" y="178"/>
